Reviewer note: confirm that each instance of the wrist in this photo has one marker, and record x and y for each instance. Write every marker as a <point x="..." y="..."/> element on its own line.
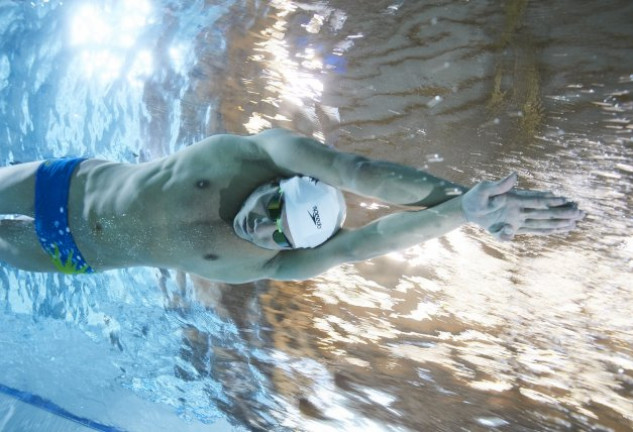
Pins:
<point x="458" y="202"/>
<point x="440" y="194"/>
<point x="451" y="212"/>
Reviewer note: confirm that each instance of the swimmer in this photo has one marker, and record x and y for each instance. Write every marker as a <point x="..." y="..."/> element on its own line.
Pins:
<point x="241" y="208"/>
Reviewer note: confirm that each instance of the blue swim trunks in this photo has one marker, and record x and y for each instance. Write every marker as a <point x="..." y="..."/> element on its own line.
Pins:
<point x="52" y="183"/>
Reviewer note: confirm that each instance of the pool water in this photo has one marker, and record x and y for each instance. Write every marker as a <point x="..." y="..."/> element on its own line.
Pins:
<point x="459" y="333"/>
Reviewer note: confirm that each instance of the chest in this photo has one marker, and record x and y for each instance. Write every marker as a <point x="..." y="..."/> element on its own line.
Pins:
<point x="210" y="248"/>
<point x="210" y="193"/>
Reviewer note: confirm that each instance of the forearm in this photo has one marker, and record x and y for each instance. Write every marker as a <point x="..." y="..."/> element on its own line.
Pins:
<point x="389" y="234"/>
<point x="399" y="184"/>
<point x="403" y="230"/>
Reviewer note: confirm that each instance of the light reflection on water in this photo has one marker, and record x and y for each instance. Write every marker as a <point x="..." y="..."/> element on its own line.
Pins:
<point x="458" y="333"/>
<point x="463" y="331"/>
<point x="104" y="35"/>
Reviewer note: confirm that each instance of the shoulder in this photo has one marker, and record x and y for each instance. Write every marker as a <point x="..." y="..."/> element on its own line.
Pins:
<point x="262" y="144"/>
<point x="225" y="144"/>
<point x="219" y="149"/>
<point x="272" y="139"/>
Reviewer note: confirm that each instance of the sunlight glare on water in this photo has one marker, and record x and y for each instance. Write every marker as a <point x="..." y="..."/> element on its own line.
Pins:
<point x="522" y="324"/>
<point x="106" y="34"/>
<point x="293" y="78"/>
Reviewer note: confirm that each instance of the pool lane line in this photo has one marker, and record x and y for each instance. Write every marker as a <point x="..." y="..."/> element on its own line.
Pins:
<point x="51" y="407"/>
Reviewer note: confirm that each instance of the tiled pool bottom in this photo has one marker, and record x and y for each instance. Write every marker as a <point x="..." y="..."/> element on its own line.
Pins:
<point x="127" y="411"/>
<point x="19" y="416"/>
<point x="52" y="387"/>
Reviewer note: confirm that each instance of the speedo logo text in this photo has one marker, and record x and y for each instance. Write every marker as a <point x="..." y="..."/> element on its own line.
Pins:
<point x="315" y="217"/>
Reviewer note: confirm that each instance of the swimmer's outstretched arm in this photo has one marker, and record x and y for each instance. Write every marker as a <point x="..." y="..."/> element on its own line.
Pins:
<point x="495" y="206"/>
<point x="390" y="233"/>
<point x="387" y="181"/>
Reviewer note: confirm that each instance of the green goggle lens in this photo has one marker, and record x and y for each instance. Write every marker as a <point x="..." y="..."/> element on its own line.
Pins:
<point x="275" y="204"/>
<point x="281" y="239"/>
<point x="274" y="212"/>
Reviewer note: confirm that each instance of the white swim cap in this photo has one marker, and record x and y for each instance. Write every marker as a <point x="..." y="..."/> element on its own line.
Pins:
<point x="314" y="210"/>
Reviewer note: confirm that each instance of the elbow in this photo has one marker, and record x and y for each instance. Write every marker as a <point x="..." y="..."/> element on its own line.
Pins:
<point x="360" y="167"/>
<point x="271" y="268"/>
<point x="358" y="245"/>
<point x="278" y="268"/>
<point x="351" y="169"/>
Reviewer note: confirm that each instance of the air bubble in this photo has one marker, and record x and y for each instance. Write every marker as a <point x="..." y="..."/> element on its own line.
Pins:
<point x="492" y="421"/>
<point x="435" y="101"/>
<point x="433" y="158"/>
<point x="452" y="191"/>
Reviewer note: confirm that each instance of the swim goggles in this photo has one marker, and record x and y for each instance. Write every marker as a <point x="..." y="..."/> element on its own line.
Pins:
<point x="274" y="212"/>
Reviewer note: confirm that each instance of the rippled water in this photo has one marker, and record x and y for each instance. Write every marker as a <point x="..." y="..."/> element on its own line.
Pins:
<point x="460" y="333"/>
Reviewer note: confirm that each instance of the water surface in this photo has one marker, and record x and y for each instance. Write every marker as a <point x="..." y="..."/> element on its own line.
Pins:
<point x="460" y="333"/>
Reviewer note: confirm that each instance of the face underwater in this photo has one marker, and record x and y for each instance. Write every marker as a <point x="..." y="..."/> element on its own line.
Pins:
<point x="261" y="219"/>
<point x="299" y="212"/>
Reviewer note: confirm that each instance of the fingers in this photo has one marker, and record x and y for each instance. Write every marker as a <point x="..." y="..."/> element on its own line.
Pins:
<point x="502" y="186"/>
<point x="488" y="197"/>
<point x="545" y="231"/>
<point x="502" y="192"/>
<point x="539" y="199"/>
<point x="541" y="222"/>
<point x="504" y="232"/>
<point x="561" y="212"/>
<point x="507" y="233"/>
<point x="545" y="224"/>
<point x="506" y="212"/>
<point x="539" y="202"/>
<point x="528" y="204"/>
<point x="533" y="193"/>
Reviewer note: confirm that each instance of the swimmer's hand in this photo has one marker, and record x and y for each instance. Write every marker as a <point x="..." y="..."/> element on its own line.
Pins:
<point x="506" y="212"/>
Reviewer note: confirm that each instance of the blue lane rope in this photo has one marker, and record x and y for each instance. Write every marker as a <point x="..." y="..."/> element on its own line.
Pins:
<point x="53" y="408"/>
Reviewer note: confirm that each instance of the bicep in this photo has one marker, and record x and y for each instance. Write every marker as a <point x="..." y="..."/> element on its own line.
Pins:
<point x="302" y="155"/>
